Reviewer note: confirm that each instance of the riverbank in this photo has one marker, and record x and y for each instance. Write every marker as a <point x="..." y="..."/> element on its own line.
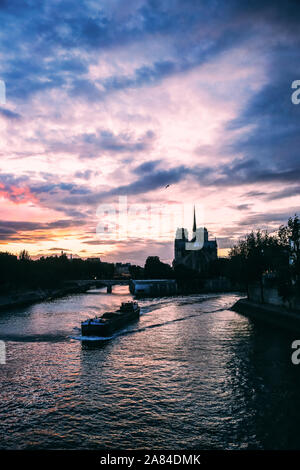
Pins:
<point x="22" y="298"/>
<point x="270" y="314"/>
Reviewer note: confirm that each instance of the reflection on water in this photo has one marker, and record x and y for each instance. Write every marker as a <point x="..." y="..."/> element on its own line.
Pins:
<point x="189" y="374"/>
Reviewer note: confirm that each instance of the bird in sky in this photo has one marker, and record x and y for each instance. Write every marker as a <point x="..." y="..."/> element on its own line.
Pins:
<point x="167" y="185"/>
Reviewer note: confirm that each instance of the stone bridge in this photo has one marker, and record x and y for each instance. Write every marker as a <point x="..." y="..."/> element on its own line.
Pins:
<point x="144" y="287"/>
<point x="108" y="283"/>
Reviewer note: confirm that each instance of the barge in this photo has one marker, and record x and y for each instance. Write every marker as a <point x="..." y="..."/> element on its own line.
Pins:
<point x="110" y="322"/>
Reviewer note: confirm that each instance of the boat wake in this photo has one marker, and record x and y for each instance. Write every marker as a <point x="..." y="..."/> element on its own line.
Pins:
<point x="93" y="338"/>
<point x="126" y="332"/>
<point x="38" y="338"/>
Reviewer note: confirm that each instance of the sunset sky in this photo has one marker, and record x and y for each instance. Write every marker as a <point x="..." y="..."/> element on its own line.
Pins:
<point x="110" y="98"/>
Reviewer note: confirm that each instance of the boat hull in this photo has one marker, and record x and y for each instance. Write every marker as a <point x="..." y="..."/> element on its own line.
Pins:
<point x="111" y="325"/>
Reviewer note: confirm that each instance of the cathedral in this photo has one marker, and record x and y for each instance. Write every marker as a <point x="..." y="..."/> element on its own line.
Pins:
<point x="198" y="252"/>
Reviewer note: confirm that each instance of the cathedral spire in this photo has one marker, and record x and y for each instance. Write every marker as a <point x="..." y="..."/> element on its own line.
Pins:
<point x="194" y="225"/>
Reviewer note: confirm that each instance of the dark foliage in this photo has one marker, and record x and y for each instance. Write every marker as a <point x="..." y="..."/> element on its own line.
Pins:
<point x="155" y="269"/>
<point x="273" y="259"/>
<point x="51" y="271"/>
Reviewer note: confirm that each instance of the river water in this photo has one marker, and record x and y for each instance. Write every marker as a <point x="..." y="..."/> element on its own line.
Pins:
<point x="189" y="374"/>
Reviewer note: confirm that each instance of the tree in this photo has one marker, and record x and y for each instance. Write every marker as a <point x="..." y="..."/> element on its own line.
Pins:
<point x="260" y="253"/>
<point x="155" y="269"/>
<point x="8" y="269"/>
<point x="294" y="245"/>
<point x="24" y="256"/>
<point x="136" y="272"/>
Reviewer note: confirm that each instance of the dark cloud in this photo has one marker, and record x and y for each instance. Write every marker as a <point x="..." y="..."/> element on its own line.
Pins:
<point x="8" y="114"/>
<point x="10" y="227"/>
<point x="148" y="75"/>
<point x="266" y="220"/>
<point x="146" y="167"/>
<point x="291" y="191"/>
<point x="238" y="173"/>
<point x="44" y="28"/>
<point x="86" y="175"/>
<point x="14" y="230"/>
<point x="108" y="141"/>
<point x="243" y="207"/>
<point x="145" y="75"/>
<point x="148" y="182"/>
<point x="92" y="145"/>
<point x="226" y="242"/>
<point x="57" y="224"/>
<point x="269" y="122"/>
<point x="54" y="188"/>
<point x="84" y="88"/>
<point x="23" y="187"/>
<point x="80" y="31"/>
<point x="255" y="194"/>
<point x="151" y="181"/>
<point x="58" y="249"/>
<point x="244" y="171"/>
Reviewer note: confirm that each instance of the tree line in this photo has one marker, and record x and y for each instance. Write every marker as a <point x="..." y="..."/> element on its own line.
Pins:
<point x="271" y="257"/>
<point x="51" y="271"/>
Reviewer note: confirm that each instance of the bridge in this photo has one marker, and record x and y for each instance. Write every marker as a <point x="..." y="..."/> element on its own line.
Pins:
<point x="108" y="283"/>
<point x="146" y="287"/>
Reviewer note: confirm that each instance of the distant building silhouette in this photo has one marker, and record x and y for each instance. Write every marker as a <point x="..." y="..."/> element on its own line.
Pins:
<point x="196" y="253"/>
<point x="122" y="269"/>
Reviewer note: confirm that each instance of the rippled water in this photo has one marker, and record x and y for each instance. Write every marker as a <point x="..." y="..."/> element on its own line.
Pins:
<point x="189" y="374"/>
